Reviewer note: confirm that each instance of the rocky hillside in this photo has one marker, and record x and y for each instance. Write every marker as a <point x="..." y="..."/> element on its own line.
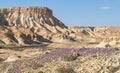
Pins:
<point x="101" y="36"/>
<point x="26" y="25"/>
<point x="29" y="17"/>
<point x="35" y="25"/>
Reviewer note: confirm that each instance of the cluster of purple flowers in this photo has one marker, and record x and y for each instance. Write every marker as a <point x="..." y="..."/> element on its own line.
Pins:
<point x="64" y="51"/>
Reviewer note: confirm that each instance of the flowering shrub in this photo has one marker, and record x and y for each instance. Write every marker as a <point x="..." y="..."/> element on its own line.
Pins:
<point x="69" y="53"/>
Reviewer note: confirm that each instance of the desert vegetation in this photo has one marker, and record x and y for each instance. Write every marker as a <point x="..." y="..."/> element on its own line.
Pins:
<point x="65" y="70"/>
<point x="107" y="45"/>
<point x="66" y="60"/>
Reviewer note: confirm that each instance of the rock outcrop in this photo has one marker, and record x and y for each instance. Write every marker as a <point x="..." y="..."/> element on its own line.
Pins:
<point x="29" y="17"/>
<point x="100" y="36"/>
<point x="28" y="25"/>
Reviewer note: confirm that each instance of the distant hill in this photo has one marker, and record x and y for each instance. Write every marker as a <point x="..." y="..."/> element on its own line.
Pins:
<point x="36" y="25"/>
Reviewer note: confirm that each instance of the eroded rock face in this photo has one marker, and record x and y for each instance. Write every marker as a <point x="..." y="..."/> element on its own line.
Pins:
<point x="28" y="24"/>
<point x="28" y="17"/>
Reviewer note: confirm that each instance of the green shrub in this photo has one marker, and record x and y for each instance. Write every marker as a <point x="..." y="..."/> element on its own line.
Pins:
<point x="40" y="72"/>
<point x="65" y="70"/>
<point x="116" y="48"/>
<point x="1" y="59"/>
<point x="117" y="43"/>
<point x="107" y="45"/>
<point x="70" y="57"/>
<point x="37" y="65"/>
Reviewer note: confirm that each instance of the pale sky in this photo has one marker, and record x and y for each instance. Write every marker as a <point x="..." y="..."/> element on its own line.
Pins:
<point x="77" y="12"/>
